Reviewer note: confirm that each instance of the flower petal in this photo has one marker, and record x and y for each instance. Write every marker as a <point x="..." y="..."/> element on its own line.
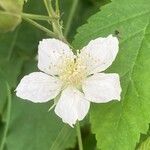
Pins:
<point x="51" y="54"/>
<point x="102" y="87"/>
<point x="72" y="106"/>
<point x="38" y="87"/>
<point x="99" y="54"/>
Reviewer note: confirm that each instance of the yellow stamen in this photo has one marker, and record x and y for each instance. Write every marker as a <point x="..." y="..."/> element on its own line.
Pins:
<point x="73" y="72"/>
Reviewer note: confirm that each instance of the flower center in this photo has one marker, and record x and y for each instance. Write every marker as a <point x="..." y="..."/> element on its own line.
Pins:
<point x="73" y="72"/>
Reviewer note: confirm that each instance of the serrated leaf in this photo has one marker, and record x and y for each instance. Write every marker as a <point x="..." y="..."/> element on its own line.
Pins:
<point x="84" y="9"/>
<point x="10" y="14"/>
<point x="118" y="125"/>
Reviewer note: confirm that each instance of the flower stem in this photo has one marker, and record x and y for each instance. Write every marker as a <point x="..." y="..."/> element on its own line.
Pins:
<point x="36" y="17"/>
<point x="57" y="8"/>
<point x="50" y="33"/>
<point x="30" y="16"/>
<point x="48" y="8"/>
<point x="79" y="136"/>
<point x="51" y="107"/>
<point x="56" y="24"/>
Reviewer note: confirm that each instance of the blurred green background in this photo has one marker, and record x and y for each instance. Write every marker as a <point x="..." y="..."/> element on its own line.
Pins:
<point x="24" y="125"/>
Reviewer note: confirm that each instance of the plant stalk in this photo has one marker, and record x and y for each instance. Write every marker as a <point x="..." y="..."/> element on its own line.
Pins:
<point x="79" y="136"/>
<point x="37" y="17"/>
<point x="50" y="33"/>
<point x="71" y="15"/>
<point x="57" y="27"/>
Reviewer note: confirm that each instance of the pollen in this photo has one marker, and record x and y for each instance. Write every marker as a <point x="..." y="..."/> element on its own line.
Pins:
<point x="73" y="72"/>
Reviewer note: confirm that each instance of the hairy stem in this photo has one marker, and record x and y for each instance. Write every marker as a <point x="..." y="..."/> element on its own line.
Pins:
<point x="37" y="17"/>
<point x="57" y="28"/>
<point x="57" y="8"/>
<point x="48" y="7"/>
<point x="30" y="16"/>
<point x="50" y="33"/>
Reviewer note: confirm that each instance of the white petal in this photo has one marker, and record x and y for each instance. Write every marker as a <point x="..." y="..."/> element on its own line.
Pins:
<point x="38" y="87"/>
<point x="102" y="87"/>
<point x="72" y="106"/>
<point x="99" y="54"/>
<point x="51" y="54"/>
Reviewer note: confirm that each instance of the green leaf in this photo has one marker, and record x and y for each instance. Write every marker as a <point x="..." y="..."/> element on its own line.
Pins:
<point x="11" y="69"/>
<point x="143" y="138"/>
<point x="28" y="46"/>
<point x="33" y="127"/>
<point x="3" y="96"/>
<point x="10" y="17"/>
<point x="4" y="130"/>
<point x="7" y="43"/>
<point x="145" y="145"/>
<point x="84" y="9"/>
<point x="89" y="141"/>
<point x="10" y="62"/>
<point x="31" y="124"/>
<point x="118" y="125"/>
<point x="10" y="66"/>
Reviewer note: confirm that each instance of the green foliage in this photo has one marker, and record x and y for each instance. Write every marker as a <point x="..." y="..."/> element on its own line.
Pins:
<point x="118" y="125"/>
<point x="31" y="126"/>
<point x="10" y="62"/>
<point x="89" y="142"/>
<point x="10" y="14"/>
<point x="85" y="8"/>
<point x="3" y="96"/>
<point x="145" y="145"/>
<point x="37" y="128"/>
<point x="10" y="67"/>
<point x="143" y="138"/>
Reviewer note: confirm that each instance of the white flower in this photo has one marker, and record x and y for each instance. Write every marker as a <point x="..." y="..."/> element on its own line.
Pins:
<point x="76" y="79"/>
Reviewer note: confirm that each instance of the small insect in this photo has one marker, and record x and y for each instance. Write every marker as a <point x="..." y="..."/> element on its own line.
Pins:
<point x="117" y="34"/>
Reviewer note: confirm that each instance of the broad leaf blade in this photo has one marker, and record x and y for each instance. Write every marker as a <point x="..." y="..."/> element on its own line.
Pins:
<point x="33" y="127"/>
<point x="10" y="61"/>
<point x="84" y="9"/>
<point x="118" y="125"/>
<point x="31" y="124"/>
